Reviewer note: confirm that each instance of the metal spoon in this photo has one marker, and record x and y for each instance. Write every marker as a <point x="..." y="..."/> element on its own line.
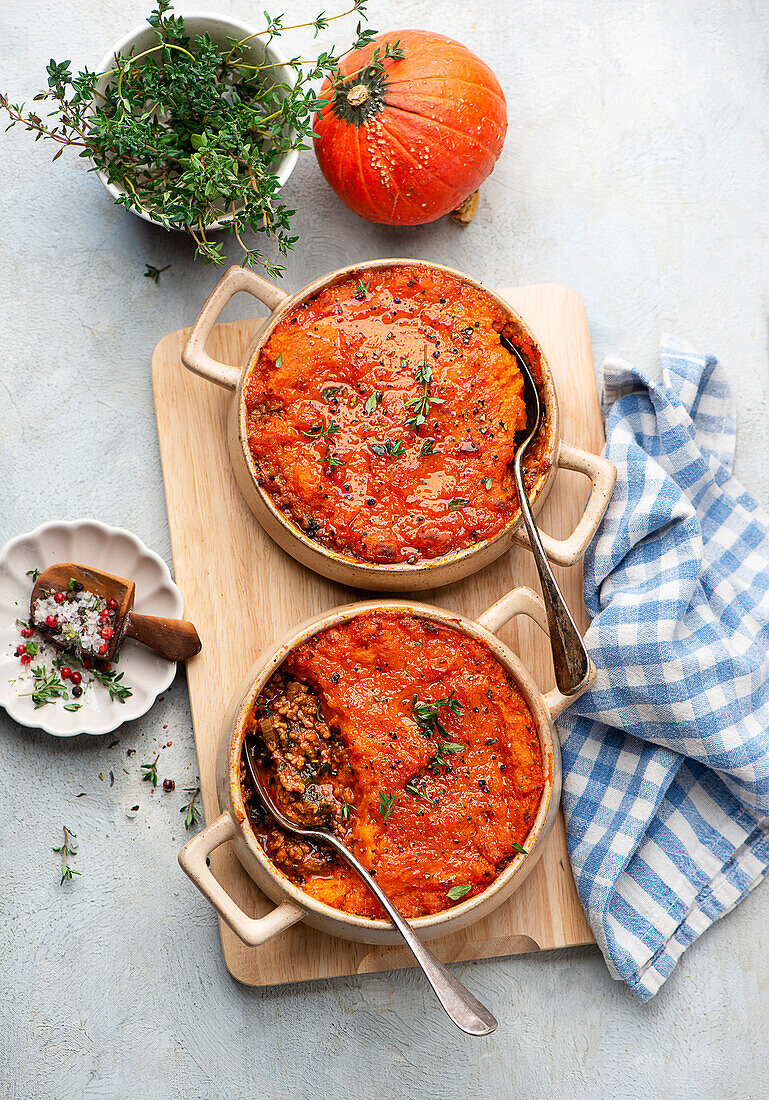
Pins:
<point x="467" y="1013"/>
<point x="572" y="665"/>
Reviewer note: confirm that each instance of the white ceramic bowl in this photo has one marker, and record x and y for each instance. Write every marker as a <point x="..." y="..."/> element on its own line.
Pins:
<point x="219" y="28"/>
<point x="116" y="551"/>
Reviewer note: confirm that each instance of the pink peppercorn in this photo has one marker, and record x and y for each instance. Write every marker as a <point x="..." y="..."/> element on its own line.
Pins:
<point x="25" y="658"/>
<point x="59" y="597"/>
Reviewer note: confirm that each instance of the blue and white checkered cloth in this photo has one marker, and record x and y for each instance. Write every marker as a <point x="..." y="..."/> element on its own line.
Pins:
<point x="666" y="760"/>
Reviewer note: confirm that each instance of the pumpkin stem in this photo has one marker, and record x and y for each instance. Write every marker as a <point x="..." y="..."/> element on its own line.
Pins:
<point x="357" y="95"/>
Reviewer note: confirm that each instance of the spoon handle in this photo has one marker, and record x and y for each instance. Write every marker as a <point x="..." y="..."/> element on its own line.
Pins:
<point x="570" y="658"/>
<point x="458" y="1002"/>
<point x="175" y="639"/>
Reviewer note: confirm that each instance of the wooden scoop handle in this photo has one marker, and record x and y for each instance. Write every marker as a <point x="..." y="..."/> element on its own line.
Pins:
<point x="175" y="639"/>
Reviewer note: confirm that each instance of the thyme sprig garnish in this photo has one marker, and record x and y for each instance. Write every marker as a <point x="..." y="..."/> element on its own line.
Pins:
<point x="361" y="290"/>
<point x="346" y="810"/>
<point x="386" y="804"/>
<point x="327" y="432"/>
<point x="426" y="714"/>
<point x="67" y="850"/>
<point x="388" y="449"/>
<point x="191" y="132"/>
<point x="416" y="791"/>
<point x="323" y="430"/>
<point x="439" y="760"/>
<point x="190" y="809"/>
<point x="47" y="687"/>
<point x="110" y="679"/>
<point x="424" y="401"/>
<point x="150" y="772"/>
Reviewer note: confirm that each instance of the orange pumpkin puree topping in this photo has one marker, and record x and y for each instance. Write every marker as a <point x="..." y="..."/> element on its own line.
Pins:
<point x="382" y="415"/>
<point x="433" y="769"/>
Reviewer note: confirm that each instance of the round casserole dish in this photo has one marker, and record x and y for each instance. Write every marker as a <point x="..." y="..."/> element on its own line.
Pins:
<point x="345" y="568"/>
<point x="292" y="903"/>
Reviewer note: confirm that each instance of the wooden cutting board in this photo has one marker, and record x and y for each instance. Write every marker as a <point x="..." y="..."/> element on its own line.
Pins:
<point x="242" y="592"/>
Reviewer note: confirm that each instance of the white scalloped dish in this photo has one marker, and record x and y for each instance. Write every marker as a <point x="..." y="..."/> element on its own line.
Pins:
<point x="116" y="551"/>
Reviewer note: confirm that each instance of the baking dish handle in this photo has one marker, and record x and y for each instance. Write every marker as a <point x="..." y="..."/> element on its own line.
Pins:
<point x="194" y="354"/>
<point x="522" y="601"/>
<point x="252" y="930"/>
<point x="603" y="475"/>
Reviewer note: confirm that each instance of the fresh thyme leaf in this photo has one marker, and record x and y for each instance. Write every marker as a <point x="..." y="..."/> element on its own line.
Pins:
<point x="329" y="391"/>
<point x="72" y="706"/>
<point x="457" y="892"/>
<point x="347" y="809"/>
<point x="386" y="804"/>
<point x="151" y="272"/>
<point x="519" y="848"/>
<point x="190" y="809"/>
<point x="150" y="772"/>
<point x="67" y="850"/>
<point x="190" y="131"/>
<point x="488" y="483"/>
<point x="429" y="448"/>
<point x="455" y="505"/>
<point x="372" y="401"/>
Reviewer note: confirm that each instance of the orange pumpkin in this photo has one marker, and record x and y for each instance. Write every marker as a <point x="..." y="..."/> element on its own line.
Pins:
<point x="407" y="142"/>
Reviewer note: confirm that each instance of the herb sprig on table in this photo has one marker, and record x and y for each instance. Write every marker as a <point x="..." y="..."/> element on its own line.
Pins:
<point x="190" y="809"/>
<point x="150" y="772"/>
<point x="67" y="851"/>
<point x="192" y="132"/>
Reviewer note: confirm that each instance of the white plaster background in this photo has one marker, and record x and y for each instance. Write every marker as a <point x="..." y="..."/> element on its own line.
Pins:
<point x="636" y="170"/>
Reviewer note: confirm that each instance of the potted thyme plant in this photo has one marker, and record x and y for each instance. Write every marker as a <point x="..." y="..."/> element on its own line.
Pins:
<point x="198" y="128"/>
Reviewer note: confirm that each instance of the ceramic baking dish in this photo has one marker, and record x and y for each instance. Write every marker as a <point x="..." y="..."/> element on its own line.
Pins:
<point x="346" y="569"/>
<point x="292" y="904"/>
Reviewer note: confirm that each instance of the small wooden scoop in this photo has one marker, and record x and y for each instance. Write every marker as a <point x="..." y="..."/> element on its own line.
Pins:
<point x="175" y="639"/>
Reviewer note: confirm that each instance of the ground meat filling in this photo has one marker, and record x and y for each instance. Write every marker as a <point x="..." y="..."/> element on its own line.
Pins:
<point x="308" y="771"/>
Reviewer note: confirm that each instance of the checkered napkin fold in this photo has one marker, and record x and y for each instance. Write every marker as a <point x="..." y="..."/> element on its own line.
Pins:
<point x="666" y="760"/>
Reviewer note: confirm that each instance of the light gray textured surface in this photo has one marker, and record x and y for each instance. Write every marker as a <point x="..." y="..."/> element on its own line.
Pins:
<point x="636" y="170"/>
